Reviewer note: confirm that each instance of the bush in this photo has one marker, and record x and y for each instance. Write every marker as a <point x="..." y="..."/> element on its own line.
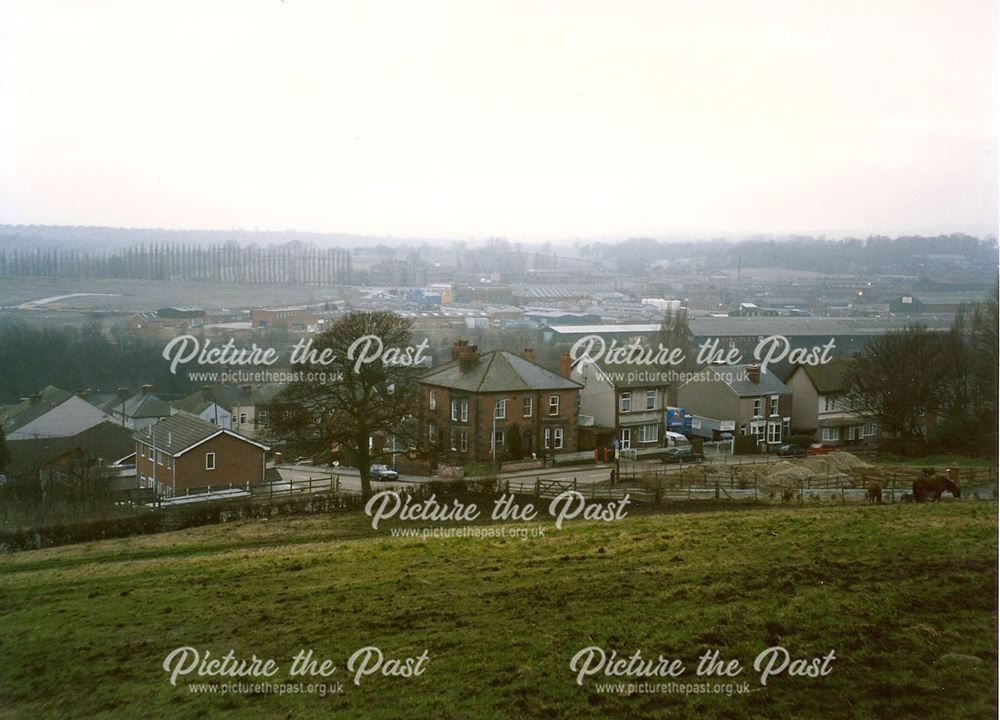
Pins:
<point x="803" y="441"/>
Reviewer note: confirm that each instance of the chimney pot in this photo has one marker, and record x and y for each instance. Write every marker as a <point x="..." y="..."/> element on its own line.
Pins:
<point x="528" y="354"/>
<point x="753" y="373"/>
<point x="147" y="389"/>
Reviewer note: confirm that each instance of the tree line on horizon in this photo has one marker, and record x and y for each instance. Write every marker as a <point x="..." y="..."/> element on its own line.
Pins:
<point x="228" y="263"/>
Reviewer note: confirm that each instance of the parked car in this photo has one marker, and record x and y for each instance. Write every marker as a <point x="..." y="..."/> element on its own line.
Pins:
<point x="790" y="451"/>
<point x="682" y="454"/>
<point x="819" y="449"/>
<point x="383" y="473"/>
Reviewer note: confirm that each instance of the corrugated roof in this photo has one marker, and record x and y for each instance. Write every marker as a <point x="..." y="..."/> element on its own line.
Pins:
<point x="498" y="371"/>
<point x="598" y="329"/>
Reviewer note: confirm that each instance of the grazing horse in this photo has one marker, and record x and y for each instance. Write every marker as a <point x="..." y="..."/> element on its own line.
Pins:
<point x="874" y="493"/>
<point x="930" y="488"/>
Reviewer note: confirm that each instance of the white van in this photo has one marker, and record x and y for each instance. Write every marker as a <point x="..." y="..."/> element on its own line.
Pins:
<point x="674" y="439"/>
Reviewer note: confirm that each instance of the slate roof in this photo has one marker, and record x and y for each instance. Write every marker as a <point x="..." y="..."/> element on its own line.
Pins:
<point x="182" y="431"/>
<point x="230" y="396"/>
<point x="769" y="383"/>
<point x="632" y="375"/>
<point x="19" y="414"/>
<point x="105" y="440"/>
<point x="498" y="371"/>
<point x="68" y="418"/>
<point x="829" y="378"/>
<point x="140" y="406"/>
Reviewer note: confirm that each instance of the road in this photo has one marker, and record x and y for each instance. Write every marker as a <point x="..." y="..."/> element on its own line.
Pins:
<point x="299" y="476"/>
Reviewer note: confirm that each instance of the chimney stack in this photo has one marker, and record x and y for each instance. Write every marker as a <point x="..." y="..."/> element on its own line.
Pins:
<point x="248" y="390"/>
<point x="753" y="373"/>
<point x="83" y="394"/>
<point x="206" y="392"/>
<point x="528" y="354"/>
<point x="147" y="389"/>
<point x="123" y="393"/>
<point x="36" y="398"/>
<point x="565" y="365"/>
<point x="469" y="358"/>
<point x="457" y="348"/>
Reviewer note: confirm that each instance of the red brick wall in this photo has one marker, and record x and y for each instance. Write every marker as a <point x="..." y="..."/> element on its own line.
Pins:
<point x="236" y="462"/>
<point x="480" y="424"/>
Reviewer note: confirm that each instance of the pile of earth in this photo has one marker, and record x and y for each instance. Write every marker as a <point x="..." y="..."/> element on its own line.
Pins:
<point x="833" y="468"/>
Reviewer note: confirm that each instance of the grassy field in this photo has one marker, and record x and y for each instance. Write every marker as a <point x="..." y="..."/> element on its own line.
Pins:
<point x="904" y="594"/>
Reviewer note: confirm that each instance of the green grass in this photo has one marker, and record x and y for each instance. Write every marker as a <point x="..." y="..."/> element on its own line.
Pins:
<point x="939" y="462"/>
<point x="84" y="629"/>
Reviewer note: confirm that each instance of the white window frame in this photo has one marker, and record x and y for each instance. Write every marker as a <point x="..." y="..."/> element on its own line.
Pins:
<point x="625" y="402"/>
<point x="528" y="407"/>
<point x="460" y="410"/>
<point x="244" y="418"/>
<point x="774" y="405"/>
<point x="500" y="409"/>
<point x="830" y="434"/>
<point x="773" y="433"/>
<point x="553" y="405"/>
<point x="432" y="402"/>
<point x="758" y="407"/>
<point x="829" y="403"/>
<point x="210" y="461"/>
<point x="649" y="433"/>
<point x="547" y="435"/>
<point x="557" y="438"/>
<point x="651" y="399"/>
<point x="869" y="429"/>
<point x="625" y="439"/>
<point x="431" y="433"/>
<point x="500" y="438"/>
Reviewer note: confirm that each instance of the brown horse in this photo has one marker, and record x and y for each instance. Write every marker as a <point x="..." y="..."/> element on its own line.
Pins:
<point x="930" y="488"/>
<point x="874" y="493"/>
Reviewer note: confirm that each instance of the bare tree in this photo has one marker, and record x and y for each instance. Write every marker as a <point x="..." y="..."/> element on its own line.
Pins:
<point x="900" y="380"/>
<point x="357" y="399"/>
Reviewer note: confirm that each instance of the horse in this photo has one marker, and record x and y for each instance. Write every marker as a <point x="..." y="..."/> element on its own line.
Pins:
<point x="930" y="488"/>
<point x="874" y="493"/>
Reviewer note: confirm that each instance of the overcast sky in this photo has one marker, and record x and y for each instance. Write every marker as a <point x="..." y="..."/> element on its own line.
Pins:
<point x="534" y="120"/>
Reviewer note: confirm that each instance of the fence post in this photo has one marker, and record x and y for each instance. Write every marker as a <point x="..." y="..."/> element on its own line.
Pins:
<point x="574" y="483"/>
<point x="538" y="487"/>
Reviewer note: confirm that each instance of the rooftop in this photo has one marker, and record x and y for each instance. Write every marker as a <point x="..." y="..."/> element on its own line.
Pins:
<point x="498" y="371"/>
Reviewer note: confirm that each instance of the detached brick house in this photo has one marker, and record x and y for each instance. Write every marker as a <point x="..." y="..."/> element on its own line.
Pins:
<point x="462" y="402"/>
<point x="183" y="451"/>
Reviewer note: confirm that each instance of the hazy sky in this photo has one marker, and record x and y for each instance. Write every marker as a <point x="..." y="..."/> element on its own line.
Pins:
<point x="533" y="120"/>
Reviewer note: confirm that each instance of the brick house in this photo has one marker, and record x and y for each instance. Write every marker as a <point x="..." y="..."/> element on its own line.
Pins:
<point x="738" y="400"/>
<point x="627" y="402"/>
<point x="821" y="408"/>
<point x="183" y="451"/>
<point x="463" y="401"/>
